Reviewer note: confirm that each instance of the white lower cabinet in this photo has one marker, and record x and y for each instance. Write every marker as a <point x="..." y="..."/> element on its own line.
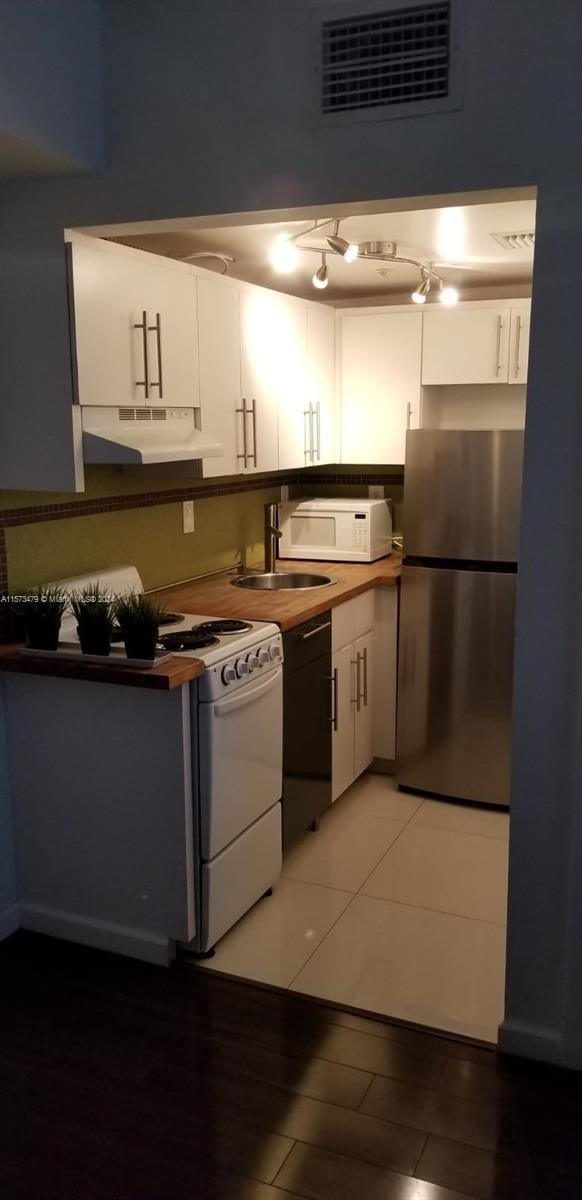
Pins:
<point x="353" y="689"/>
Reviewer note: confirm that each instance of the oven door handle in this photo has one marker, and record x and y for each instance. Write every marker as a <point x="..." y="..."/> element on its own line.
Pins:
<point x="247" y="694"/>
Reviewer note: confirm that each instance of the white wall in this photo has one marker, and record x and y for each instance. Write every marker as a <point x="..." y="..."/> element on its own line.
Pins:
<point x="8" y="919"/>
<point x="208" y="113"/>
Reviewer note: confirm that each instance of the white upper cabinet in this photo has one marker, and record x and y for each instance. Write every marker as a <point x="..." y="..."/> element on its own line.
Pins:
<point x="476" y="344"/>
<point x="220" y="372"/>
<point x="380" y="384"/>
<point x="288" y="336"/>
<point x="260" y="375"/>
<point x="135" y="327"/>
<point x="321" y="431"/>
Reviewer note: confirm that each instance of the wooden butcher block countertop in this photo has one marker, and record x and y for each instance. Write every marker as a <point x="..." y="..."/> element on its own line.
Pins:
<point x="163" y="678"/>
<point x="218" y="598"/>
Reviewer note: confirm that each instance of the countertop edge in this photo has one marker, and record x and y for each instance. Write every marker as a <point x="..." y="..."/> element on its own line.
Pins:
<point x="165" y="678"/>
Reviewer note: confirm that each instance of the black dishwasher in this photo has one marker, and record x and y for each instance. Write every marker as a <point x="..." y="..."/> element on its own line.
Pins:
<point x="306" y="725"/>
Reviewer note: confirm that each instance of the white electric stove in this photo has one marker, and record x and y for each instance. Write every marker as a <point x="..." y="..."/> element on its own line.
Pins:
<point x="237" y="753"/>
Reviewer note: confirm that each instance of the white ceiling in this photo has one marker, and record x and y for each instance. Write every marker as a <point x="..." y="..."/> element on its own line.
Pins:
<point x="458" y="237"/>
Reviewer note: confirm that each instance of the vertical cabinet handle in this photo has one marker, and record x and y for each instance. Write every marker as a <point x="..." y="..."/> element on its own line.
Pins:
<point x="356" y="663"/>
<point x="318" y="426"/>
<point x="307" y="441"/>
<point x="157" y="329"/>
<point x="253" y="414"/>
<point x="243" y="412"/>
<point x="517" y="342"/>
<point x="334" y="719"/>
<point x="145" y="382"/>
<point x="408" y="414"/>
<point x="365" y="688"/>
<point x="498" y="346"/>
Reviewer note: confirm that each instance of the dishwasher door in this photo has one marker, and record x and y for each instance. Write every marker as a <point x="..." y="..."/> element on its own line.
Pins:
<point x="307" y="725"/>
<point x="455" y="678"/>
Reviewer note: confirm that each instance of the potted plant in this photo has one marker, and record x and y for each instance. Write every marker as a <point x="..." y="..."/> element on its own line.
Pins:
<point x="93" y="608"/>
<point x="41" y="611"/>
<point x="138" y="617"/>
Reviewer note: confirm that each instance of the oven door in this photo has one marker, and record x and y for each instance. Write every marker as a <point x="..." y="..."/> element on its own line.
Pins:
<point x="240" y="742"/>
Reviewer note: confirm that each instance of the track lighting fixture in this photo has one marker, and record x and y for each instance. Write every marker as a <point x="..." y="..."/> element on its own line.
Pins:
<point x="420" y="292"/>
<point x="321" y="277"/>
<point x="285" y="258"/>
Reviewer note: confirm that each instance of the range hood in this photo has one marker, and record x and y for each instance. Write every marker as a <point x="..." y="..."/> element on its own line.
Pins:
<point x="144" y="435"/>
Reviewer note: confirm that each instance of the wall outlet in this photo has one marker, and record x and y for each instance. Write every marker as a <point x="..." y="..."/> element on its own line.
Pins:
<point x="188" y="516"/>
<point x="376" y="491"/>
<point x="284" y="493"/>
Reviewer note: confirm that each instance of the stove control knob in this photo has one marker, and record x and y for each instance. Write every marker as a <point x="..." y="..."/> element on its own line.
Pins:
<point x="274" y="652"/>
<point x="253" y="661"/>
<point x="228" y="674"/>
<point x="264" y="656"/>
<point x="241" y="668"/>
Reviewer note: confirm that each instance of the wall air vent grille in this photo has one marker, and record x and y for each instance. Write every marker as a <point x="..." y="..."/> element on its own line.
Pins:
<point x="142" y="414"/>
<point x="386" y="58"/>
<point x="127" y="414"/>
<point x="159" y="414"/>
<point x="515" y="241"/>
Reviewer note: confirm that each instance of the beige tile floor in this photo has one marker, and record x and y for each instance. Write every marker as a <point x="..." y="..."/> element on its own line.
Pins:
<point x="396" y="905"/>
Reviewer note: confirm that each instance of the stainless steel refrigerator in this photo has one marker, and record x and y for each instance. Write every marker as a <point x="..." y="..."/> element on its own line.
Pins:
<point x="462" y="493"/>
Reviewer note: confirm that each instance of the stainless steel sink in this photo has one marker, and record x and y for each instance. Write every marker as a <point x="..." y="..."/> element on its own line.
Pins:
<point x="281" y="581"/>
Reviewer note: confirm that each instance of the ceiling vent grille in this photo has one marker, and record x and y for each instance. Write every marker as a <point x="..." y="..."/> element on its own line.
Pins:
<point x="515" y="241"/>
<point x="387" y="58"/>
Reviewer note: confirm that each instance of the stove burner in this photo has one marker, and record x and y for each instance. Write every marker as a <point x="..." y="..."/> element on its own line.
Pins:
<point x="170" y="618"/>
<point x="190" y="639"/>
<point x="223" y="626"/>
<point x="167" y="618"/>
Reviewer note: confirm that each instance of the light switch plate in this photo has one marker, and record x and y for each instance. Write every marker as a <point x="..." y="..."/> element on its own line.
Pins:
<point x="188" y="516"/>
<point x="376" y="491"/>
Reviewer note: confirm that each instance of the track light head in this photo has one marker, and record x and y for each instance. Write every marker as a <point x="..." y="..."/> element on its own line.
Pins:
<point x="284" y="255"/>
<point x="421" y="291"/>
<point x="448" y="295"/>
<point x="348" y="250"/>
<point x="321" y="277"/>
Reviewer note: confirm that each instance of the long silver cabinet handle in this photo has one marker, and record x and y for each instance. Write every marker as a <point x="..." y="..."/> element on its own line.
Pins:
<point x="498" y="347"/>
<point x="157" y="329"/>
<point x="318" y="426"/>
<point x="243" y="410"/>
<point x="356" y="663"/>
<point x="304" y="637"/>
<point x="334" y="719"/>
<point x="307" y="441"/>
<point x="145" y="382"/>
<point x="254" y="423"/>
<point x="365" y="691"/>
<point x="517" y="341"/>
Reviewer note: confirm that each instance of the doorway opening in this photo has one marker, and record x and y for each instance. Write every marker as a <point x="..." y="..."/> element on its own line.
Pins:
<point x="392" y="899"/>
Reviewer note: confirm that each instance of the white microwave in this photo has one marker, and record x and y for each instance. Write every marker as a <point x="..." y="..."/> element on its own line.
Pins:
<point x="335" y="530"/>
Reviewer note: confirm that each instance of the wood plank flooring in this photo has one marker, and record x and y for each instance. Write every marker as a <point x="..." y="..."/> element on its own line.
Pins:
<point x="121" y="1080"/>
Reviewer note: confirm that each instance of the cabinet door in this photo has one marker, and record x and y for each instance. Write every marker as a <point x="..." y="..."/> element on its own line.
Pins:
<point x="343" y="679"/>
<point x="519" y="343"/>
<point x="321" y="382"/>
<point x="288" y="325"/>
<point x="220" y="388"/>
<point x="465" y="345"/>
<point x="260" y="373"/>
<point x="122" y="358"/>
<point x="363" y="720"/>
<point x="380" y="393"/>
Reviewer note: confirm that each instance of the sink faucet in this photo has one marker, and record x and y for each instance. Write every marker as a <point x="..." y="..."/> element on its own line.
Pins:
<point x="272" y="535"/>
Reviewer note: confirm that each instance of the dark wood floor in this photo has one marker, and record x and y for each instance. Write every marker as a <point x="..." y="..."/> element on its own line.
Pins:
<point x="120" y="1080"/>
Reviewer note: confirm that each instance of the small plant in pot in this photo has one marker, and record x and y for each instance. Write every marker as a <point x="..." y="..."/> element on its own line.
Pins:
<point x="41" y="610"/>
<point x="93" y="608"/>
<point x="138" y="617"/>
